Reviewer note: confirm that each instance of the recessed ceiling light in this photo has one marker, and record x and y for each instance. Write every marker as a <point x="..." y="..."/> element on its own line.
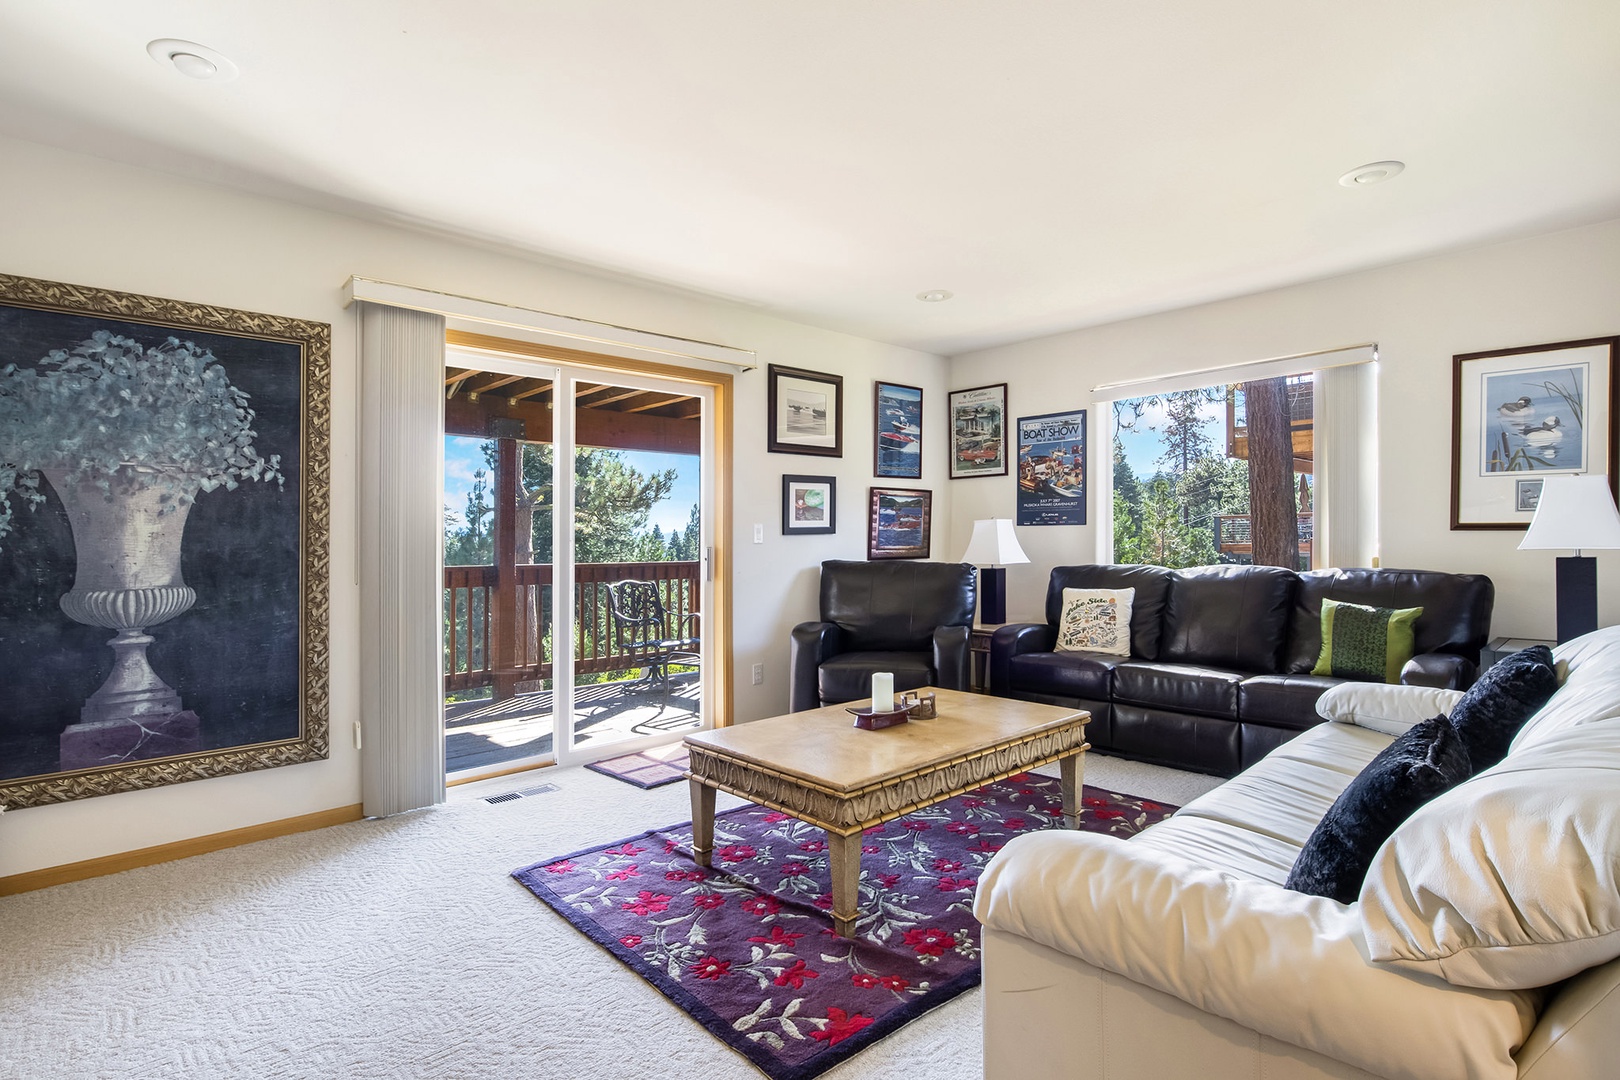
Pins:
<point x="1375" y="173"/>
<point x="192" y="60"/>
<point x="934" y="296"/>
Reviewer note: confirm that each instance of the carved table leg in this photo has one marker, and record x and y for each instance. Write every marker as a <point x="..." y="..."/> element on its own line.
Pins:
<point x="702" y="823"/>
<point x="844" y="859"/>
<point x="1071" y="774"/>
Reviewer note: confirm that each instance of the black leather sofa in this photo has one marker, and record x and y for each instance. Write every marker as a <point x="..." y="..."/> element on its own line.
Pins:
<point x="1219" y="671"/>
<point x="909" y="618"/>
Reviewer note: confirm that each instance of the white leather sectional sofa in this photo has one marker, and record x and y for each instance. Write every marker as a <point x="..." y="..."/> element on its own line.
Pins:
<point x="1482" y="945"/>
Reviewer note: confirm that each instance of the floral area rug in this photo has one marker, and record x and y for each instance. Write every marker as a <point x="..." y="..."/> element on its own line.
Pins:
<point x="747" y="946"/>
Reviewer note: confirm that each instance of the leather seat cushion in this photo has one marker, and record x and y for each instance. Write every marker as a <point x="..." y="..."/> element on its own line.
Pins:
<point x="1069" y="674"/>
<point x="1184" y="688"/>
<point x="848" y="676"/>
<point x="1283" y="700"/>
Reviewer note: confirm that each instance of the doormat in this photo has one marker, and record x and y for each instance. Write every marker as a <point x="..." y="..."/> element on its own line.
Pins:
<point x="648" y="769"/>
<point x="747" y="947"/>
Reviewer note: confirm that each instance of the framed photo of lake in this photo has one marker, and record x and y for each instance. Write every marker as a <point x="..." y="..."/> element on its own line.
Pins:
<point x="897" y="431"/>
<point x="1522" y="415"/>
<point x="978" y="419"/>
<point x="809" y="505"/>
<point x="806" y="412"/>
<point x="163" y="541"/>
<point x="899" y="523"/>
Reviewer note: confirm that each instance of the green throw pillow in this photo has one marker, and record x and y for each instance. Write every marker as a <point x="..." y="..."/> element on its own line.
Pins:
<point x="1368" y="643"/>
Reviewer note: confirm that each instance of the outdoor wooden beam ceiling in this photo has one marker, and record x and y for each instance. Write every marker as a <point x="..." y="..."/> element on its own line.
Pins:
<point x="617" y="397"/>
<point x="544" y="388"/>
<point x="500" y="381"/>
<point x="658" y="404"/>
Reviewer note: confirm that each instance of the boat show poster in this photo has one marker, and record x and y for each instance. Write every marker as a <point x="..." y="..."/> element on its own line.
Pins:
<point x="1052" y="469"/>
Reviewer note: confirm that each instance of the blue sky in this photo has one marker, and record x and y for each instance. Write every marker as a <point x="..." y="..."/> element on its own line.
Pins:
<point x="1143" y="444"/>
<point x="462" y="458"/>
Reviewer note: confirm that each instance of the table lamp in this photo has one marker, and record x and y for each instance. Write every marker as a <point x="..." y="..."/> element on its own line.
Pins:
<point x="1575" y="512"/>
<point x="991" y="548"/>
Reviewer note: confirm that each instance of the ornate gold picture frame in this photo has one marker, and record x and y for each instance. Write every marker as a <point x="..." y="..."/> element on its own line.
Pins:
<point x="164" y="514"/>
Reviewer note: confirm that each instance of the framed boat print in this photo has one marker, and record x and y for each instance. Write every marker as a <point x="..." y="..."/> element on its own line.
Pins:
<point x="978" y="429"/>
<point x="806" y="412"/>
<point x="1522" y="415"/>
<point x="163" y="541"/>
<point x="898" y="523"/>
<point x="809" y="505"/>
<point x="1052" y="469"/>
<point x="897" y="435"/>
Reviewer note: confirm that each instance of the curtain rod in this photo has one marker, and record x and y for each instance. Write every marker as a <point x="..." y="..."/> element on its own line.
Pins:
<point x="1178" y="375"/>
<point x="452" y="305"/>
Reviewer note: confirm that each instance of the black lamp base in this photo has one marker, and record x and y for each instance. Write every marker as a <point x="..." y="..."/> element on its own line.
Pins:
<point x="1577" y="596"/>
<point x="993" y="594"/>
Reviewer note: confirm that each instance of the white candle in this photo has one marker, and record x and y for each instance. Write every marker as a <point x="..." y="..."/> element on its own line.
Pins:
<point x="883" y="691"/>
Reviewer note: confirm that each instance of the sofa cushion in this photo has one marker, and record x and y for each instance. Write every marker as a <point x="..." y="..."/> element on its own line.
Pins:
<point x="1096" y="620"/>
<point x="1429" y="759"/>
<point x="1493" y="710"/>
<point x="1588" y="692"/>
<point x="893" y="604"/>
<point x="848" y="676"/>
<point x="1368" y="643"/>
<point x="1512" y="879"/>
<point x="1283" y="700"/>
<point x="1179" y="687"/>
<point x="1456" y="608"/>
<point x="1390" y="709"/>
<point x="1228" y="617"/>
<point x="1152" y="585"/>
<point x="1073" y="674"/>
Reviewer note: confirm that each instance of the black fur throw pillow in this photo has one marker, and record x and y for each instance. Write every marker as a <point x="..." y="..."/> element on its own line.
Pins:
<point x="1511" y="691"/>
<point x="1427" y="760"/>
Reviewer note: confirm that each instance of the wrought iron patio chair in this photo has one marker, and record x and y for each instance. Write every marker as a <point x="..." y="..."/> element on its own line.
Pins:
<point x="652" y="637"/>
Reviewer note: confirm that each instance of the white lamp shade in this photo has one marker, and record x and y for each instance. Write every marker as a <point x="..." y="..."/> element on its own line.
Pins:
<point x="1575" y="512"/>
<point x="993" y="544"/>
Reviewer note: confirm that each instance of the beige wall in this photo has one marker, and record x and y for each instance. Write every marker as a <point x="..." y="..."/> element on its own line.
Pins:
<point x="1560" y="287"/>
<point x="82" y="220"/>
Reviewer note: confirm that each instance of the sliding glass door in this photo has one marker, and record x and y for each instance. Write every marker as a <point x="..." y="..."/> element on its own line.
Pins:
<point x="621" y="529"/>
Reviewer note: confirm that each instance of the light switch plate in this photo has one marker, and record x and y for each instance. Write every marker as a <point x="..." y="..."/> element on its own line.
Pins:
<point x="759" y="533"/>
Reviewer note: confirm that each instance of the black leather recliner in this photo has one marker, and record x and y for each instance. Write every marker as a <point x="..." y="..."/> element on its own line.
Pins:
<point x="909" y="618"/>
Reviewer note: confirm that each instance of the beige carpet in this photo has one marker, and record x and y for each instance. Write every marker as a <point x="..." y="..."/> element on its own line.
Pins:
<point x="395" y="948"/>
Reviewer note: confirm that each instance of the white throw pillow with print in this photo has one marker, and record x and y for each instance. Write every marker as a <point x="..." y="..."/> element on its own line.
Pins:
<point x="1096" y="620"/>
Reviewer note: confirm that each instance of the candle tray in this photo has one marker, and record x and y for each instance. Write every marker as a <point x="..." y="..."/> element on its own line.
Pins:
<point x="876" y="721"/>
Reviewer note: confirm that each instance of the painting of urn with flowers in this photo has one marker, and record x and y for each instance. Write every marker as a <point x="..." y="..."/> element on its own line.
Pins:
<point x="163" y="505"/>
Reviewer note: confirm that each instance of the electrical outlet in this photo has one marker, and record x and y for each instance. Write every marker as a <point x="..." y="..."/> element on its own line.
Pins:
<point x="759" y="534"/>
<point x="759" y="674"/>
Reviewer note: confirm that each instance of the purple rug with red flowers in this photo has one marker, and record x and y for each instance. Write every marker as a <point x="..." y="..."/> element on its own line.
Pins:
<point x="747" y="947"/>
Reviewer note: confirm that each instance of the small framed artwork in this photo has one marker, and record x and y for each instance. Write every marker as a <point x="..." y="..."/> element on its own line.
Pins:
<point x="809" y="505"/>
<point x="1521" y="415"/>
<point x="979" y="431"/>
<point x="899" y="523"/>
<point x="1052" y="469"/>
<point x="806" y="412"/>
<point x="897" y="418"/>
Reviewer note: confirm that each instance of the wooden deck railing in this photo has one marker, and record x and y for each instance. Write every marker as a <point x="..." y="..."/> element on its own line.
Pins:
<point x="1234" y="533"/>
<point x="468" y="594"/>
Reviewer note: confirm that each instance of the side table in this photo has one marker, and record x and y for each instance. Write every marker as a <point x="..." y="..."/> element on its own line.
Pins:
<point x="1497" y="648"/>
<point x="979" y="656"/>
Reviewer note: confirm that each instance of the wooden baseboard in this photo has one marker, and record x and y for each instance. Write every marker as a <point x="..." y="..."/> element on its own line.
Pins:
<point x="180" y="849"/>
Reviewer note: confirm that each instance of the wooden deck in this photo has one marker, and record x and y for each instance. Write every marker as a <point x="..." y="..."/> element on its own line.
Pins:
<point x="479" y="734"/>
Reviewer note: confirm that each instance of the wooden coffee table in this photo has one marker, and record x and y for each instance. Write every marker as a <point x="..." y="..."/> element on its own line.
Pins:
<point x="820" y="768"/>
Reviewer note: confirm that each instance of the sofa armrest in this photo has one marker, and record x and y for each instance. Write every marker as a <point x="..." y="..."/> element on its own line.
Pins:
<point x="952" y="657"/>
<point x="1279" y="962"/>
<point x="813" y="644"/>
<point x="1440" y="670"/>
<point x="1010" y="640"/>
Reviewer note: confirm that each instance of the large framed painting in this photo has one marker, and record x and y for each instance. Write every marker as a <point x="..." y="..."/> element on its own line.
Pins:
<point x="1522" y="415"/>
<point x="1052" y="469"/>
<point x="899" y="523"/>
<point x="979" y="431"/>
<point x="897" y="440"/>
<point x="163" y="541"/>
<point x="806" y="412"/>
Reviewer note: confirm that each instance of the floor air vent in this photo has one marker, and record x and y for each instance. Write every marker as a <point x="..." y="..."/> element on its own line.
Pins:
<point x="508" y="796"/>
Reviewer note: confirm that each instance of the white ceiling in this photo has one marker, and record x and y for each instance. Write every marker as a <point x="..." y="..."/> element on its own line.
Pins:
<point x="1054" y="163"/>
